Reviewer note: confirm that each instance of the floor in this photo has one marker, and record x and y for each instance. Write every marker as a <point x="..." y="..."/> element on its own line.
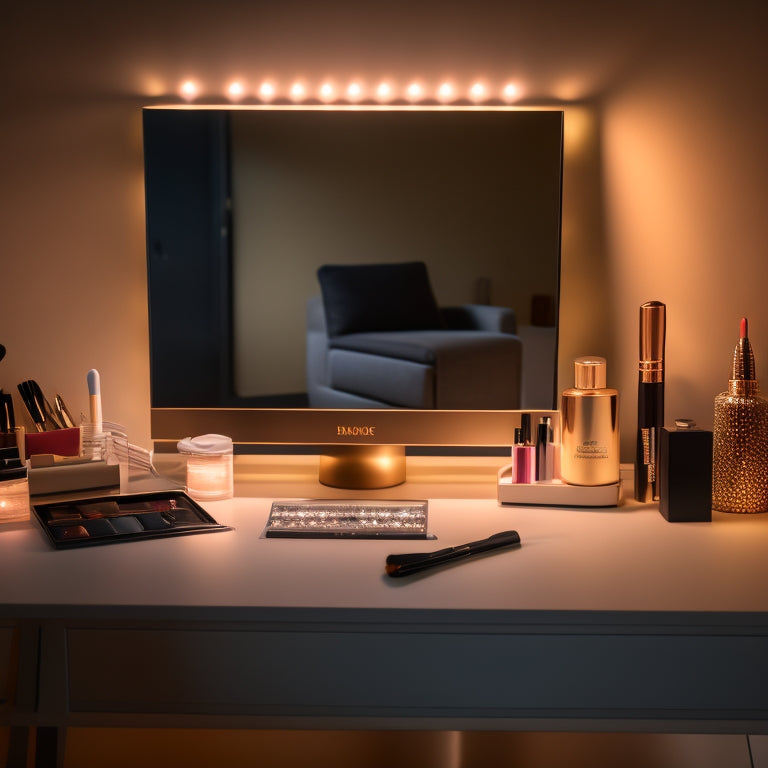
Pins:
<point x="115" y="748"/>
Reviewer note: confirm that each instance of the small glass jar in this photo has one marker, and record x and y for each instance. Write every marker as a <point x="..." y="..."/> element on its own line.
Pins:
<point x="14" y="499"/>
<point x="210" y="474"/>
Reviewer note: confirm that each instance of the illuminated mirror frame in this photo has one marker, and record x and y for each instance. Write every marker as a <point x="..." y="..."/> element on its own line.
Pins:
<point x="359" y="448"/>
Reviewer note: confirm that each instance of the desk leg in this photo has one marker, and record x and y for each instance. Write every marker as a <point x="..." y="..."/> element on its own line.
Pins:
<point x="52" y="699"/>
<point x="49" y="747"/>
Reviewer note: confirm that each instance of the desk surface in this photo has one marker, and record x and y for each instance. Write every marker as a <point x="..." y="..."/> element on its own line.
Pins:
<point x="602" y="619"/>
<point x="621" y="559"/>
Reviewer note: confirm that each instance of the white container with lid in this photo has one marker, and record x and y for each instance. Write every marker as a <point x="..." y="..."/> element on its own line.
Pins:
<point x="210" y="475"/>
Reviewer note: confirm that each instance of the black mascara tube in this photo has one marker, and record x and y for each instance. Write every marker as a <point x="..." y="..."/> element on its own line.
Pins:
<point x="650" y="399"/>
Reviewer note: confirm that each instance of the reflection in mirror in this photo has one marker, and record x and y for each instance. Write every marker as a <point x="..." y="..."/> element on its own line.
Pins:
<point x="248" y="209"/>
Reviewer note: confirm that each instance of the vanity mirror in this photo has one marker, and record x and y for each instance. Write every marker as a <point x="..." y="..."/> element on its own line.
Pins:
<point x="245" y="205"/>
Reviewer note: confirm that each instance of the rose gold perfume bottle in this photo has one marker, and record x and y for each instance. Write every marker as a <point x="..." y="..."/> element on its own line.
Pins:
<point x="740" y="450"/>
<point x="590" y="427"/>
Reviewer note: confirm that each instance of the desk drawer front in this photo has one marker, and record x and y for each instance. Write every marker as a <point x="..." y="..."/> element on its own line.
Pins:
<point x="294" y="673"/>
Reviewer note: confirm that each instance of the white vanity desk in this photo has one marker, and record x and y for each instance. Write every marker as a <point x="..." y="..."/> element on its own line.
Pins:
<point x="602" y="620"/>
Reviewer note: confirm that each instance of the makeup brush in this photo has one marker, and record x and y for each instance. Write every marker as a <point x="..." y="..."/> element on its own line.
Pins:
<point x="406" y="564"/>
<point x="28" y="398"/>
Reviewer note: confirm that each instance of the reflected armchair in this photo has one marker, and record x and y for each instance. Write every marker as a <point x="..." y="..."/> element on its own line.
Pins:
<point x="376" y="338"/>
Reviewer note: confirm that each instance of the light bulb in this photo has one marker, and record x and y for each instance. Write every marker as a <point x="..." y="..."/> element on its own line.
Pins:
<point x="414" y="91"/>
<point x="445" y="92"/>
<point x="297" y="91"/>
<point x="477" y="91"/>
<point x="266" y="90"/>
<point x="354" y="91"/>
<point x="188" y="89"/>
<point x="235" y="90"/>
<point x="510" y="92"/>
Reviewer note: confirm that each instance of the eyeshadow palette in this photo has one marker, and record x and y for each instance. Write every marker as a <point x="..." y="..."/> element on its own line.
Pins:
<point x="323" y="519"/>
<point x="130" y="517"/>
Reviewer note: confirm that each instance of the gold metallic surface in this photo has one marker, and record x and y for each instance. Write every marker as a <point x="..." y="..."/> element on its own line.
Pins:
<point x="393" y="426"/>
<point x="653" y="319"/>
<point x="589" y="372"/>
<point x="590" y="428"/>
<point x="362" y="467"/>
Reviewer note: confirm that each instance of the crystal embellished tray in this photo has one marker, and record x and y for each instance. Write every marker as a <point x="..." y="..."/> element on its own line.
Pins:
<point x="322" y="519"/>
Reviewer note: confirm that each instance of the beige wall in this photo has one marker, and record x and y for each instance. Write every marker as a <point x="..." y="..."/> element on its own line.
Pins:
<point x="664" y="182"/>
<point x="684" y="162"/>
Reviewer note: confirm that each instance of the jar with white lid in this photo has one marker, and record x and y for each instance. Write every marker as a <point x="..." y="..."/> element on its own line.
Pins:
<point x="210" y="475"/>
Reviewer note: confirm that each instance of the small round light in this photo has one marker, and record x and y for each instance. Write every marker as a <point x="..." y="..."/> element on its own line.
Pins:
<point x="477" y="91"/>
<point x="384" y="91"/>
<point x="510" y="92"/>
<point x="326" y="91"/>
<point x="235" y="90"/>
<point x="445" y="92"/>
<point x="189" y="89"/>
<point x="354" y="91"/>
<point x="297" y="91"/>
<point x="267" y="90"/>
<point x="413" y="91"/>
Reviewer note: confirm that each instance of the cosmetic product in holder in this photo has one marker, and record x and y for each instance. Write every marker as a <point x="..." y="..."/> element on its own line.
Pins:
<point x="552" y="492"/>
<point x="209" y="466"/>
<point x="545" y="451"/>
<point x="523" y="458"/>
<point x="740" y="450"/>
<point x="590" y="427"/>
<point x="650" y="399"/>
<point x="685" y="473"/>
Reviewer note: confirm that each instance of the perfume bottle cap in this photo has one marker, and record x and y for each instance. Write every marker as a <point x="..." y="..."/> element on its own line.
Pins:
<point x="590" y="372"/>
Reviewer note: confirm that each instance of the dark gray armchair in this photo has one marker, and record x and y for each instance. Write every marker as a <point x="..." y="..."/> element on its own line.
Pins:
<point x="376" y="339"/>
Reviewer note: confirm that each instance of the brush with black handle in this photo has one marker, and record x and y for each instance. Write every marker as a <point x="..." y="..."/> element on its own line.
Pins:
<point x="415" y="562"/>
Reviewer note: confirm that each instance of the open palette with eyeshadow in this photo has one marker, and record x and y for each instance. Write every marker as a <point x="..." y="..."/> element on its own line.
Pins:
<point x="130" y="517"/>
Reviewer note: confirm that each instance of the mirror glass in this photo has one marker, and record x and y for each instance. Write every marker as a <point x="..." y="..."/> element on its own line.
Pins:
<point x="245" y="205"/>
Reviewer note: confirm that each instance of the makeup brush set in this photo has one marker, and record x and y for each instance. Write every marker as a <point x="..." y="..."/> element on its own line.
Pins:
<point x="45" y="416"/>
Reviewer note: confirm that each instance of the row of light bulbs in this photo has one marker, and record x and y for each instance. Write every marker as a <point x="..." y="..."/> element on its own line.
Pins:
<point x="356" y="91"/>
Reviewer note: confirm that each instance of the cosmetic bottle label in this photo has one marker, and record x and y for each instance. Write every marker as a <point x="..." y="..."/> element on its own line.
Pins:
<point x="590" y="438"/>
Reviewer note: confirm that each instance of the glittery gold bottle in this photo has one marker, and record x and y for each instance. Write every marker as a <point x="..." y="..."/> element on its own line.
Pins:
<point x="740" y="451"/>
